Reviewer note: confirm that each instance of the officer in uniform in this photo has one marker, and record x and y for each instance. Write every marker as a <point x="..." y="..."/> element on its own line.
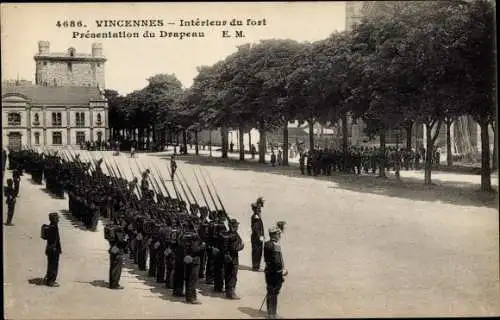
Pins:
<point x="231" y="258"/>
<point x="52" y="250"/>
<point x="274" y="271"/>
<point x="116" y="253"/>
<point x="10" y="194"/>
<point x="257" y="237"/>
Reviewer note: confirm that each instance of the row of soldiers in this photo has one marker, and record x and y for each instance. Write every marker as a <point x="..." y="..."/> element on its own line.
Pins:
<point x="362" y="159"/>
<point x="182" y="245"/>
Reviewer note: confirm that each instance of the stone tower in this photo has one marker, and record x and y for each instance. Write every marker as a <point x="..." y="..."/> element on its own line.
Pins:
<point x="69" y="68"/>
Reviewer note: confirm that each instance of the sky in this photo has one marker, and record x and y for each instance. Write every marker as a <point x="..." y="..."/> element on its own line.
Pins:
<point x="130" y="61"/>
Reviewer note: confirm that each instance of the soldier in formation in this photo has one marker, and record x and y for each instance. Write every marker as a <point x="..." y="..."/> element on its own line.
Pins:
<point x="359" y="160"/>
<point x="171" y="236"/>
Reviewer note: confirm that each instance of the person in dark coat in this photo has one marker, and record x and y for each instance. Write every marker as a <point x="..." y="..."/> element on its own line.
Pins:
<point x="10" y="194"/>
<point x="231" y="259"/>
<point x="178" y="290"/>
<point x="173" y="167"/>
<point x="116" y="254"/>
<point x="193" y="251"/>
<point x="274" y="271"/>
<point x="17" y="180"/>
<point x="257" y="238"/>
<point x="52" y="250"/>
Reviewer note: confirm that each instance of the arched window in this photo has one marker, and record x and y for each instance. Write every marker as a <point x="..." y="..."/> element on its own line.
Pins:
<point x="99" y="119"/>
<point x="37" y="138"/>
<point x="99" y="136"/>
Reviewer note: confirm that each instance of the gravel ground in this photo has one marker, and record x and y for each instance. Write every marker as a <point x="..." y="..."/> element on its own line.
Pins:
<point x="354" y="247"/>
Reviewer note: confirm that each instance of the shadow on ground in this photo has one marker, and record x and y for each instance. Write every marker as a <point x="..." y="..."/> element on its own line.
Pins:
<point x="243" y="267"/>
<point x="36" y="281"/>
<point x="73" y="220"/>
<point x="157" y="288"/>
<point x="460" y="193"/>
<point x="99" y="283"/>
<point x="254" y="313"/>
<point x="53" y="196"/>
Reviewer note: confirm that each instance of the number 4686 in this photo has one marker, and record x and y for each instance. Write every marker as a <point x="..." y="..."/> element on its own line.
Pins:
<point x="69" y="24"/>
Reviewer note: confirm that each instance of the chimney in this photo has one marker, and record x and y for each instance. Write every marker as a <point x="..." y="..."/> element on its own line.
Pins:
<point x="97" y="49"/>
<point x="43" y="47"/>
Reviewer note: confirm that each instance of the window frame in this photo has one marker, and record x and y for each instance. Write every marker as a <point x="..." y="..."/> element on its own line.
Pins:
<point x="78" y="135"/>
<point x="36" y="136"/>
<point x="56" y="119"/>
<point x="54" y="133"/>
<point x="11" y="121"/>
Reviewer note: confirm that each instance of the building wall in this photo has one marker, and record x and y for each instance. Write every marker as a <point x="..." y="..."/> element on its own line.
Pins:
<point x="82" y="73"/>
<point x="68" y="127"/>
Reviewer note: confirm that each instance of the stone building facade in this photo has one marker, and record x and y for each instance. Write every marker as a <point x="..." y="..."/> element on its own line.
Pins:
<point x="65" y="106"/>
<point x="70" y="68"/>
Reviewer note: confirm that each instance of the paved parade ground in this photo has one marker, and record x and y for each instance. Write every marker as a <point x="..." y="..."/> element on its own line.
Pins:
<point x="353" y="246"/>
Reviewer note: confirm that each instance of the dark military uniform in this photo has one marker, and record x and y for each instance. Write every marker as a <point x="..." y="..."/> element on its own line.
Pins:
<point x="116" y="255"/>
<point x="10" y="194"/>
<point x="193" y="250"/>
<point x="257" y="238"/>
<point x="274" y="272"/>
<point x="52" y="250"/>
<point x="232" y="246"/>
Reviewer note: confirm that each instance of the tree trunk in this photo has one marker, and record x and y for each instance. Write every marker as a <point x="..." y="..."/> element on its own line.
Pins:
<point x="224" y="141"/>
<point x="382" y="158"/>
<point x="429" y="152"/>
<point x="494" y="165"/>
<point x="311" y="134"/>
<point x="196" y="146"/>
<point x="409" y="137"/>
<point x="184" y="141"/>
<point x="285" y="144"/>
<point x="262" y="142"/>
<point x="210" y="143"/>
<point x="241" y="142"/>
<point x="345" y="138"/>
<point x="485" y="157"/>
<point x="449" y="158"/>
<point x="249" y="140"/>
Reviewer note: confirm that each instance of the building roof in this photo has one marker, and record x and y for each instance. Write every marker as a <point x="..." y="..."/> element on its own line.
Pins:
<point x="47" y="95"/>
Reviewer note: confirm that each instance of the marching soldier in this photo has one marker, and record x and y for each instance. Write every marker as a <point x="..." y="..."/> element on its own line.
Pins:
<point x="10" y="194"/>
<point x="257" y="237"/>
<point x="231" y="259"/>
<point x="52" y="250"/>
<point x="274" y="271"/>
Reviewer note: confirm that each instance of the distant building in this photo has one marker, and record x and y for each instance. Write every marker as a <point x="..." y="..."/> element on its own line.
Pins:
<point x="66" y="106"/>
<point x="69" y="68"/>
